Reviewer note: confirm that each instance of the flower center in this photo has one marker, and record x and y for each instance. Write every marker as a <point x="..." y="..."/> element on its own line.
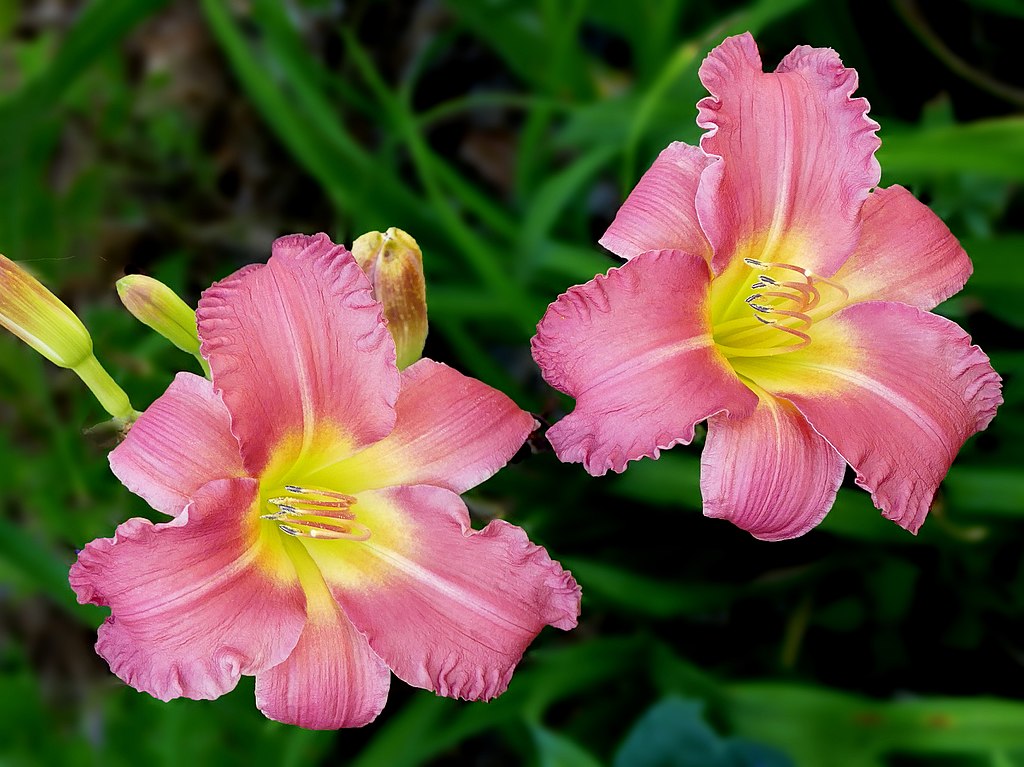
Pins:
<point x="777" y="317"/>
<point x="315" y="512"/>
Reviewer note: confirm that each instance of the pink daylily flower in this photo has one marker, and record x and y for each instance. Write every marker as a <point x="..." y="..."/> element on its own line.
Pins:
<point x="770" y="291"/>
<point x="318" y="538"/>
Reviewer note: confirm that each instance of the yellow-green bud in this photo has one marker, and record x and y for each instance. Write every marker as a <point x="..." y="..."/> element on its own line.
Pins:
<point x="157" y="306"/>
<point x="393" y="262"/>
<point x="40" y="319"/>
<point x="45" y="323"/>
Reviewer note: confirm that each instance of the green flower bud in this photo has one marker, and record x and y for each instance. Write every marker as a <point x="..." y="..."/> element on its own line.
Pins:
<point x="45" y="323"/>
<point x="157" y="306"/>
<point x="40" y="319"/>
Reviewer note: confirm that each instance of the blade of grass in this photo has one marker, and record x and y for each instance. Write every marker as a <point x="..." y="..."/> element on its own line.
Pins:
<point x="311" y="130"/>
<point x="549" y="201"/>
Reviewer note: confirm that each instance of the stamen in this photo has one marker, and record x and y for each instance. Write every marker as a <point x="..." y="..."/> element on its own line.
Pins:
<point x="316" y="512"/>
<point x="789" y="296"/>
<point x="832" y="284"/>
<point x="319" y="491"/>
<point x="807" y="303"/>
<point x="735" y="351"/>
<point x="811" y="294"/>
<point x="308" y="528"/>
<point x="805" y="319"/>
<point x="775" y="265"/>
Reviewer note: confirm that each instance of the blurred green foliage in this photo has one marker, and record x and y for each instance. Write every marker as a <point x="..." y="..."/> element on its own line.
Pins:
<point x="177" y="139"/>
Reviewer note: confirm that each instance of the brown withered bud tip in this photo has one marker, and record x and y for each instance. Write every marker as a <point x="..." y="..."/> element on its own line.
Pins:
<point x="394" y="264"/>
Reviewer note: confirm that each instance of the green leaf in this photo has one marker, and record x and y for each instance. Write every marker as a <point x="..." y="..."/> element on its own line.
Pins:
<point x="635" y="593"/>
<point x="993" y="147"/>
<point x="997" y="281"/>
<point x="672" y="480"/>
<point x="825" y="728"/>
<point x="428" y="725"/>
<point x="1007" y="7"/>
<point x="554" y="750"/>
<point x="985" y="490"/>
<point x="673" y="733"/>
<point x="520" y="36"/>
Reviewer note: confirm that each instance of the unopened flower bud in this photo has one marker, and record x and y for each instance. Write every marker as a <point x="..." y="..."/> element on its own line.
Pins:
<point x="45" y="323"/>
<point x="157" y="306"/>
<point x="40" y="319"/>
<point x="393" y="262"/>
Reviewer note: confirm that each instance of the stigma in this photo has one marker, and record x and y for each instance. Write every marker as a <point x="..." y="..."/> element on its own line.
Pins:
<point x="315" y="512"/>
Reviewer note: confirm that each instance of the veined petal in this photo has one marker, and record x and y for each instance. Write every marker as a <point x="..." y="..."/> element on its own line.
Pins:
<point x="448" y="608"/>
<point x="895" y="390"/>
<point x="905" y="253"/>
<point x="180" y="443"/>
<point x="332" y="678"/>
<point x="451" y="431"/>
<point x="634" y="348"/>
<point x="300" y="354"/>
<point x="195" y="602"/>
<point x="659" y="213"/>
<point x="770" y="474"/>
<point x="797" y="157"/>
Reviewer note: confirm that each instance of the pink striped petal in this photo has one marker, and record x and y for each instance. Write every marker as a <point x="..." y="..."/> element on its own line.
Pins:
<point x="451" y="431"/>
<point x="798" y="157"/>
<point x="180" y="443"/>
<point x="905" y="253"/>
<point x="770" y="474"/>
<point x="191" y="606"/>
<point x="634" y="348"/>
<point x="300" y="354"/>
<point x="659" y="213"/>
<point x="448" y="608"/>
<point x="896" y="391"/>
<point x="332" y="679"/>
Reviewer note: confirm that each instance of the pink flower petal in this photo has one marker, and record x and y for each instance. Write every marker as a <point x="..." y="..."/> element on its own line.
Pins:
<point x="770" y="474"/>
<point x="332" y="678"/>
<point x="300" y="355"/>
<point x="180" y="443"/>
<point x="634" y="348"/>
<point x="192" y="606"/>
<point x="451" y="431"/>
<point x="659" y="213"/>
<point x="905" y="254"/>
<point x="448" y="608"/>
<point x="798" y="157"/>
<point x="895" y="390"/>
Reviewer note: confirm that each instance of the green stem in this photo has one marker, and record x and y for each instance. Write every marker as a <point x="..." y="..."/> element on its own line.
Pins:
<point x="106" y="390"/>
